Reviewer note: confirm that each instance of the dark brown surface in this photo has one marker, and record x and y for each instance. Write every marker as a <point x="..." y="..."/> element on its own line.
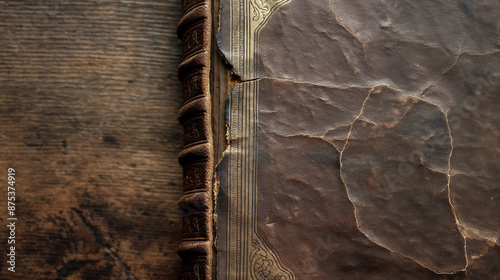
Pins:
<point x="378" y="140"/>
<point x="88" y="118"/>
<point x="421" y="163"/>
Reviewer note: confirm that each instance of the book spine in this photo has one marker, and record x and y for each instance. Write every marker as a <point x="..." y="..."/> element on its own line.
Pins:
<point x="196" y="158"/>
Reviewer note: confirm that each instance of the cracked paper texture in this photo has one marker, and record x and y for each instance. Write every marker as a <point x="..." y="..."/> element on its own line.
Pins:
<point x="372" y="146"/>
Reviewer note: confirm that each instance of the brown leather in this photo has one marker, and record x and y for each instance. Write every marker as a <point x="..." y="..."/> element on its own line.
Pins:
<point x="378" y="141"/>
<point x="196" y="249"/>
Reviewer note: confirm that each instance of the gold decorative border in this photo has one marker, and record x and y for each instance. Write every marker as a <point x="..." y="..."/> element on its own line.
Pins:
<point x="247" y="255"/>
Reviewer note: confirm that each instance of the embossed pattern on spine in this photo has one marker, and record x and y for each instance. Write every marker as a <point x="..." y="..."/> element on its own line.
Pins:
<point x="196" y="250"/>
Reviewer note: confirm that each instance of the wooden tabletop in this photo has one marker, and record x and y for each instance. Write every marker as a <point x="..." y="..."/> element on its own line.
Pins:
<point x="89" y="97"/>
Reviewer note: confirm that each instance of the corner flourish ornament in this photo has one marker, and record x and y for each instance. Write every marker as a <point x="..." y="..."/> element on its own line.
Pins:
<point x="261" y="9"/>
<point x="265" y="266"/>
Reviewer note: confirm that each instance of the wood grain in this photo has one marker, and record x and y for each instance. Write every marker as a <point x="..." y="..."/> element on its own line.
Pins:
<point x="88" y="118"/>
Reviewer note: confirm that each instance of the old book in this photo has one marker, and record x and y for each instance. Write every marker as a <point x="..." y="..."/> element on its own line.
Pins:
<point x="341" y="139"/>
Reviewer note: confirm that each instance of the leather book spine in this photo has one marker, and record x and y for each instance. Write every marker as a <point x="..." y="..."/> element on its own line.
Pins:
<point x="196" y="158"/>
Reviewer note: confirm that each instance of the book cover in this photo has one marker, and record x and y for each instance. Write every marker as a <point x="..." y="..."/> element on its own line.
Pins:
<point x="362" y="139"/>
